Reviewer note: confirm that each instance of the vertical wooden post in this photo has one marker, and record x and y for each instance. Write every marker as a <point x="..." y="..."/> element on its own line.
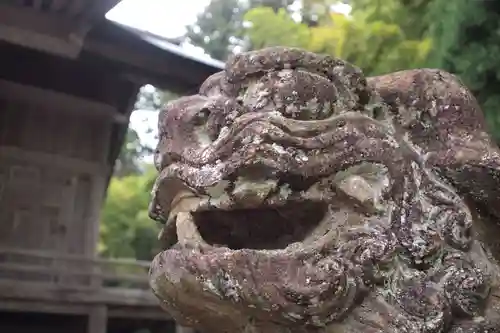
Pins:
<point x="92" y="238"/>
<point x="98" y="319"/>
<point x="183" y="329"/>
<point x="97" y="191"/>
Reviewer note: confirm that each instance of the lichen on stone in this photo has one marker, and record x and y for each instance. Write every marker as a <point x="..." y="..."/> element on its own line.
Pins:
<point x="299" y="196"/>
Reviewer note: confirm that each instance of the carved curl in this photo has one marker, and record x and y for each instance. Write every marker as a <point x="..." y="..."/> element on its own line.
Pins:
<point x="396" y="248"/>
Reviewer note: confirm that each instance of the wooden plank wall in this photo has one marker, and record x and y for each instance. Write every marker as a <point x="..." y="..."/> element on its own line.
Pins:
<point x="53" y="167"/>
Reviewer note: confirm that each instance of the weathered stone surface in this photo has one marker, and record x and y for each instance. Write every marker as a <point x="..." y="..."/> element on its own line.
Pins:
<point x="298" y="196"/>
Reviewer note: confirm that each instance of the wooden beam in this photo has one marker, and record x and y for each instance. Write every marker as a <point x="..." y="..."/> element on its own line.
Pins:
<point x="101" y="7"/>
<point x="138" y="312"/>
<point x="58" y="5"/>
<point x="151" y="313"/>
<point x="53" y="101"/>
<point x="141" y="60"/>
<point x="98" y="319"/>
<point x="92" y="229"/>
<point x="42" y="306"/>
<point x="47" y="32"/>
<point x="32" y="157"/>
<point x="126" y="45"/>
<point x="142" y="78"/>
<point x="44" y="254"/>
<point x="15" y="290"/>
<point x="65" y="272"/>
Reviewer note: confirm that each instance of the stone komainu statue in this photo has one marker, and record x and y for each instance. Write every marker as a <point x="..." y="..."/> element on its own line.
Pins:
<point x="299" y="196"/>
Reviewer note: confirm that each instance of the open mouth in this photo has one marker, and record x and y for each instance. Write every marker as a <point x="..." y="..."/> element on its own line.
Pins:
<point x="264" y="228"/>
<point x="261" y="228"/>
<point x="261" y="214"/>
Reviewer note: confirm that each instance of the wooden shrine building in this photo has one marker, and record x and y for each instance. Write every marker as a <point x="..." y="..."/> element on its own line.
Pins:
<point x="68" y="83"/>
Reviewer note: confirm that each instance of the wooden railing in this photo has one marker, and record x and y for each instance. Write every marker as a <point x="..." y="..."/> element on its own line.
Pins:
<point x="71" y="271"/>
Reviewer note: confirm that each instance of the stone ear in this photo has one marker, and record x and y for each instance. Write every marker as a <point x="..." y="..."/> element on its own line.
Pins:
<point x="444" y="121"/>
<point x="473" y="167"/>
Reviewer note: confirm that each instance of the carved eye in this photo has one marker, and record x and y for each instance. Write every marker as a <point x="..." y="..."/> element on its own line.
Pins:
<point x="201" y="117"/>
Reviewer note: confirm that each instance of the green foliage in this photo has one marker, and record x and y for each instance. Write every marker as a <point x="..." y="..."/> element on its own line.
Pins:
<point x="125" y="228"/>
<point x="375" y="46"/>
<point x="219" y="28"/>
<point x="132" y="151"/>
<point x="466" y="38"/>
<point x="274" y="4"/>
<point x="409" y="15"/>
<point x="275" y="28"/>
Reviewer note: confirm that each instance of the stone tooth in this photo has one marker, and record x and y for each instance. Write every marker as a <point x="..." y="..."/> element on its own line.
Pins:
<point x="166" y="236"/>
<point x="185" y="204"/>
<point x="187" y="231"/>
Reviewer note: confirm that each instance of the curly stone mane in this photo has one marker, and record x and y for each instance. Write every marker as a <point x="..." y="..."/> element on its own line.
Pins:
<point x="299" y="196"/>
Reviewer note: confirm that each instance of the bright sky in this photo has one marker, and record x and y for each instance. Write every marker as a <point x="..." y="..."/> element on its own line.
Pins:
<point x="162" y="17"/>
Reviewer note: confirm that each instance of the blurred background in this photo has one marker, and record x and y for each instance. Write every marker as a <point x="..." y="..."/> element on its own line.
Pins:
<point x="81" y="85"/>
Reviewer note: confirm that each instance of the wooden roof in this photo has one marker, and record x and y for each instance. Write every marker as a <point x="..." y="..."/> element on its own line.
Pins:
<point x="76" y="29"/>
<point x="91" y="9"/>
<point x="55" y="26"/>
<point x="147" y="58"/>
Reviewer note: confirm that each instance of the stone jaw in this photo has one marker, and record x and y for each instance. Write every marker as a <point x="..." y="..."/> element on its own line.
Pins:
<point x="401" y="164"/>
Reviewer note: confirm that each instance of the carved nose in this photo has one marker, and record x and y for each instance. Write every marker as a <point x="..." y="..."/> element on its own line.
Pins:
<point x="202" y="132"/>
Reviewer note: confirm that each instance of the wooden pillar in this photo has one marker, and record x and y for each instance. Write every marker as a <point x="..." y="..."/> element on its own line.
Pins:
<point x="98" y="319"/>
<point x="92" y="238"/>
<point x="183" y="329"/>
